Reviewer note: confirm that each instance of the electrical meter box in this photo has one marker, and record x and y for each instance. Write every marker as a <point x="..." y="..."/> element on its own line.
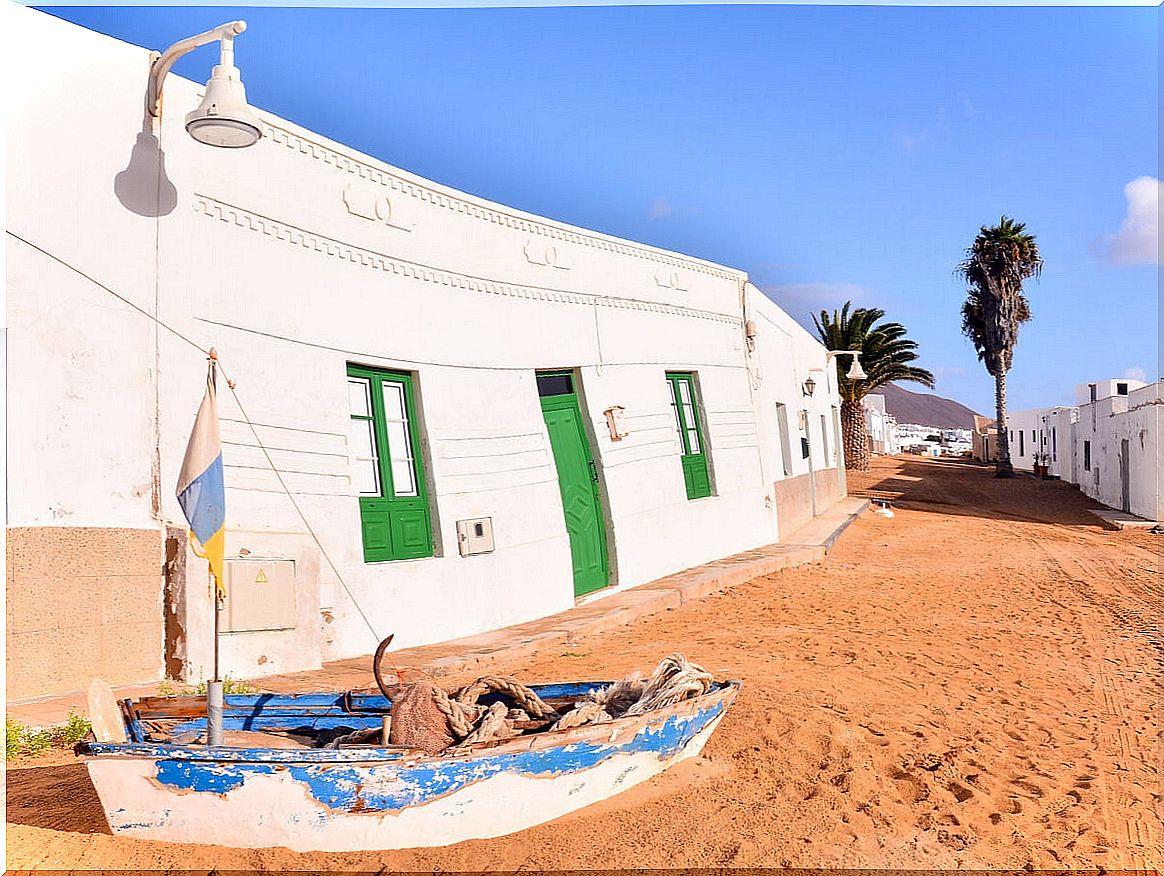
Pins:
<point x="475" y="536"/>
<point x="260" y="595"/>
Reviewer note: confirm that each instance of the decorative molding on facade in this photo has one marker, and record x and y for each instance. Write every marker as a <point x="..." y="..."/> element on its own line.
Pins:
<point x="369" y="202"/>
<point x="670" y="280"/>
<point x="542" y="252"/>
<point x="283" y="231"/>
<point x="427" y="194"/>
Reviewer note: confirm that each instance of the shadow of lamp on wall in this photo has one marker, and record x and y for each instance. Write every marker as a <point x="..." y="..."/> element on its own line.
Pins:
<point x="143" y="187"/>
<point x="223" y="119"/>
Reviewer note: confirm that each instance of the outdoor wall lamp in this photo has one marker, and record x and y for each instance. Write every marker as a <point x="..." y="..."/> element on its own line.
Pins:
<point x="856" y="372"/>
<point x="224" y="118"/>
<point x="809" y="386"/>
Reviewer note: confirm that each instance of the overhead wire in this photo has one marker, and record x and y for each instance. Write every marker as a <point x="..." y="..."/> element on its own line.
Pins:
<point x="242" y="409"/>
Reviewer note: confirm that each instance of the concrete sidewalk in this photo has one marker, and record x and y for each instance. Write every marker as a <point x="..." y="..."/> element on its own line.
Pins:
<point x="480" y="652"/>
<point x="1122" y="519"/>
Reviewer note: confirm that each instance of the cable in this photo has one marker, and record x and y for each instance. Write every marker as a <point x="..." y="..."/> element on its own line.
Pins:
<point x="238" y="401"/>
<point x="101" y="285"/>
<point x="298" y="510"/>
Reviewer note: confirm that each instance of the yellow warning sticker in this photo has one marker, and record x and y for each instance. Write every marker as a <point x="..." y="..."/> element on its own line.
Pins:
<point x="261" y="578"/>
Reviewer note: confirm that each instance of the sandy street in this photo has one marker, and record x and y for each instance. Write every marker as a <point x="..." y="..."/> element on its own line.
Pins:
<point x="972" y="684"/>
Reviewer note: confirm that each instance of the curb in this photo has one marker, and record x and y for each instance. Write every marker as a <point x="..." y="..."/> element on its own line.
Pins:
<point x="565" y="629"/>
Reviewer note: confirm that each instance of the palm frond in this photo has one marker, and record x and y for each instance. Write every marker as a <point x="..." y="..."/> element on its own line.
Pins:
<point x="886" y="352"/>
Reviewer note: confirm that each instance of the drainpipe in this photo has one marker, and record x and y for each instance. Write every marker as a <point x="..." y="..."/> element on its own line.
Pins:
<point x="747" y="327"/>
<point x="811" y="471"/>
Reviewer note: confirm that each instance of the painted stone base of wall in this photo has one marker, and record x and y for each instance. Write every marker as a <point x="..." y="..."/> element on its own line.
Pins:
<point x="82" y="603"/>
<point x="794" y="498"/>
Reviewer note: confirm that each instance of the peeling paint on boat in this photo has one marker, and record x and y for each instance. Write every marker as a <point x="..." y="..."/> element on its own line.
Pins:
<point x="378" y="799"/>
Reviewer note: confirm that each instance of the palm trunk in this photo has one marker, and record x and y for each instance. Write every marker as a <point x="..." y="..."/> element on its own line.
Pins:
<point x="855" y="436"/>
<point x="1004" y="468"/>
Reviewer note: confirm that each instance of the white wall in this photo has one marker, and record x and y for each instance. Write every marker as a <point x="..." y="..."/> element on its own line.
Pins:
<point x="1101" y="389"/>
<point x="298" y="256"/>
<point x="1043" y="430"/>
<point x="880" y="425"/>
<point x="1104" y="426"/>
<point x="786" y="355"/>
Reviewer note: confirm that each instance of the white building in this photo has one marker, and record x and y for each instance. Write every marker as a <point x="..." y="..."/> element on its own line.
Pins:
<point x="881" y="426"/>
<point x="1118" y="455"/>
<point x="1108" y="443"/>
<point x="420" y="373"/>
<point x="1043" y="436"/>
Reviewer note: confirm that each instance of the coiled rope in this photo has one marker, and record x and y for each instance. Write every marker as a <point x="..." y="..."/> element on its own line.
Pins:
<point x="430" y="718"/>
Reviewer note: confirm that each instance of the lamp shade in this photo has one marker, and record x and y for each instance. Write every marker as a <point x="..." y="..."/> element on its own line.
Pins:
<point x="856" y="372"/>
<point x="224" y="118"/>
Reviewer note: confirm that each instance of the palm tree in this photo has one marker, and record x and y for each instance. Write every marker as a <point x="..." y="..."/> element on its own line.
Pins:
<point x="996" y="265"/>
<point x="885" y="355"/>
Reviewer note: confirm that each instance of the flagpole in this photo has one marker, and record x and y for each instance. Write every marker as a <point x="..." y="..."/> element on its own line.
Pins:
<point x="214" y="699"/>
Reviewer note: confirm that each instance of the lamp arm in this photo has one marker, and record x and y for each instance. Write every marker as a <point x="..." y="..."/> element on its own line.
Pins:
<point x="162" y="64"/>
<point x="832" y="354"/>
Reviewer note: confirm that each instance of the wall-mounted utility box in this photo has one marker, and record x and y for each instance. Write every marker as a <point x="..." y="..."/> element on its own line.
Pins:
<point x="475" y="536"/>
<point x="260" y="595"/>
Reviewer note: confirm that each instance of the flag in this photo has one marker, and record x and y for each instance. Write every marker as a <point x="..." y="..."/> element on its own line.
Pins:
<point x="201" y="490"/>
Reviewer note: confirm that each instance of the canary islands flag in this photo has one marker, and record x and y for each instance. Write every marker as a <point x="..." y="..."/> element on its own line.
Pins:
<point x="201" y="491"/>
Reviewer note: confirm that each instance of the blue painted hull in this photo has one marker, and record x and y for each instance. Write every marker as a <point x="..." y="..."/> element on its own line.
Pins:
<point x="378" y="798"/>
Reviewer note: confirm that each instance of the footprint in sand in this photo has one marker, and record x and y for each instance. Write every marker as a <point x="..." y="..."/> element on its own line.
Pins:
<point x="1030" y="787"/>
<point x="961" y="792"/>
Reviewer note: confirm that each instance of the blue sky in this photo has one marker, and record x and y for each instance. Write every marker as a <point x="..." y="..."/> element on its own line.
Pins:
<point x="832" y="152"/>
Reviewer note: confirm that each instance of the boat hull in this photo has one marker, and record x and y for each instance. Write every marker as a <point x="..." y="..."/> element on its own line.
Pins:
<point x="351" y="800"/>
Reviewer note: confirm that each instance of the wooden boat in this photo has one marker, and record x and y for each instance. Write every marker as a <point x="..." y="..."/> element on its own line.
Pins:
<point x="270" y="785"/>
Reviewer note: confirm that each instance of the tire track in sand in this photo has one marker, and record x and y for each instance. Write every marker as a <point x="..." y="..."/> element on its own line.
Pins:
<point x="1131" y="722"/>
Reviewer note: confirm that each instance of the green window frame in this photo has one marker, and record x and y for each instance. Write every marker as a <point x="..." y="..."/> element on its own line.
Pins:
<point x="388" y="470"/>
<point x="692" y="440"/>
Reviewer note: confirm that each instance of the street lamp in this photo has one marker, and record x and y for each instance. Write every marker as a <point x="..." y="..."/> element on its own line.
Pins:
<point x="856" y="372"/>
<point x="223" y="119"/>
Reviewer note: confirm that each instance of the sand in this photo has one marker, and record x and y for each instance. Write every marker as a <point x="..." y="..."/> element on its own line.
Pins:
<point x="973" y="684"/>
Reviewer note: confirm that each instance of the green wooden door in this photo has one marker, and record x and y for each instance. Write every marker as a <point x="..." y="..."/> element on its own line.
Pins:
<point x="577" y="481"/>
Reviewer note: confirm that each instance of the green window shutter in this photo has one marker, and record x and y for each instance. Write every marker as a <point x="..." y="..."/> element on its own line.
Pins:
<point x="692" y="440"/>
<point x="395" y="522"/>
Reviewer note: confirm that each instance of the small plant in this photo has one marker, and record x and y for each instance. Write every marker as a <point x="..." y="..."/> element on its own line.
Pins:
<point x="229" y="686"/>
<point x="37" y="741"/>
<point x="20" y="739"/>
<point x="13" y="734"/>
<point x="75" y="728"/>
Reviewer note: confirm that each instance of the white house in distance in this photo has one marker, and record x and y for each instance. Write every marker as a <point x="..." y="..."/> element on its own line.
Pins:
<point x="448" y="415"/>
<point x="1043" y="435"/>
<point x="880" y="425"/>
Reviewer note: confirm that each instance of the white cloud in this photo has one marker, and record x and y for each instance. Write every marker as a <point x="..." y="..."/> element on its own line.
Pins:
<point x="909" y="142"/>
<point x="802" y="300"/>
<point x="1138" y="240"/>
<point x="1136" y="373"/>
<point x="661" y="209"/>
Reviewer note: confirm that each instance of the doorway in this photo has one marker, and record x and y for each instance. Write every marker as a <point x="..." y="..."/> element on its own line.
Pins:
<point x="1125" y="477"/>
<point x="577" y="480"/>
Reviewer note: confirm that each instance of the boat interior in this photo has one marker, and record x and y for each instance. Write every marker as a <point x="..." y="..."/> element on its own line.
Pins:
<point x="346" y="719"/>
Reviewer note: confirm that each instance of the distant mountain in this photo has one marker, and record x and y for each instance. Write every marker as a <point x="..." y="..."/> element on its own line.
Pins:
<point x="925" y="409"/>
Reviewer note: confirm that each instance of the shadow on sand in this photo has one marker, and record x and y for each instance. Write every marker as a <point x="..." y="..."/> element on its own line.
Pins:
<point x="56" y="797"/>
<point x="974" y="491"/>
